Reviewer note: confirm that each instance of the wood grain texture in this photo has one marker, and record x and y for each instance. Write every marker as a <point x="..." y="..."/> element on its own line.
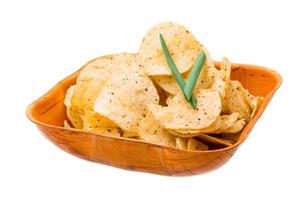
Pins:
<point x="48" y="113"/>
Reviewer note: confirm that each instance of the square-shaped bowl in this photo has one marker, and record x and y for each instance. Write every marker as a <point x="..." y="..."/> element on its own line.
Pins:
<point x="48" y="113"/>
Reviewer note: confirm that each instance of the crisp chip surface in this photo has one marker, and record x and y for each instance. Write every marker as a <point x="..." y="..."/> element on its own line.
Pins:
<point x="151" y="131"/>
<point x="124" y="96"/>
<point x="180" y="115"/>
<point x="238" y="100"/>
<point x="182" y="45"/>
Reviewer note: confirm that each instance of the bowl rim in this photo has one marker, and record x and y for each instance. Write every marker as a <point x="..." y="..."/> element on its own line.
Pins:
<point x="244" y="134"/>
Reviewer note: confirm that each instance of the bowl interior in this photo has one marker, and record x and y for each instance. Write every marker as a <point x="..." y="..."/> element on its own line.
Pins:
<point x="50" y="109"/>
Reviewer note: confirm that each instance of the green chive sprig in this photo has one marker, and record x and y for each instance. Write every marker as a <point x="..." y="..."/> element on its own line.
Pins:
<point x="194" y="74"/>
<point x="175" y="72"/>
<point x="186" y="88"/>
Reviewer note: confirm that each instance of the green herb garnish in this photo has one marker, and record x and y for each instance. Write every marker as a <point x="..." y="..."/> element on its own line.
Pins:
<point x="175" y="72"/>
<point x="186" y="88"/>
<point x="194" y="74"/>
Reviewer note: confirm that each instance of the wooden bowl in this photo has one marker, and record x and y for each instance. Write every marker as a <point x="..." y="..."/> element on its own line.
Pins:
<point x="48" y="113"/>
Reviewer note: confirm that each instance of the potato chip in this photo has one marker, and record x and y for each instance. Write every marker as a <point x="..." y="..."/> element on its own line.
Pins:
<point x="255" y="103"/>
<point x="74" y="116"/>
<point x="181" y="143"/>
<point x="214" y="140"/>
<point x="128" y="134"/>
<point x="69" y="95"/>
<point x="233" y="137"/>
<point x="236" y="127"/>
<point x="66" y="124"/>
<point x="182" y="45"/>
<point x="73" y="113"/>
<point x="91" y="79"/>
<point x="168" y="84"/>
<point x="195" y="145"/>
<point x="94" y="76"/>
<point x="94" y="122"/>
<point x="222" y="124"/>
<point x="220" y="86"/>
<point x="180" y="115"/>
<point x="237" y="100"/>
<point x="224" y="74"/>
<point x="124" y="97"/>
<point x="151" y="131"/>
<point x="226" y="69"/>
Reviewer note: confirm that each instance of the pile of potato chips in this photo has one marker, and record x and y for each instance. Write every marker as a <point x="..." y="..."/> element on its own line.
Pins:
<point x="136" y="96"/>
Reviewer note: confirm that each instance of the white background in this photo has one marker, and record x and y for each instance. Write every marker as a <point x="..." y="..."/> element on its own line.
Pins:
<point x="42" y="42"/>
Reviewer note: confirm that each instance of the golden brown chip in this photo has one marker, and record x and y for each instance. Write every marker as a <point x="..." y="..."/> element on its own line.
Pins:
<point x="182" y="45"/>
<point x="127" y="134"/>
<point x="233" y="137"/>
<point x="236" y="127"/>
<point x="96" y="120"/>
<point x="66" y="124"/>
<point x="195" y="145"/>
<point x="69" y="95"/>
<point x="181" y="143"/>
<point x="151" y="131"/>
<point x="214" y="140"/>
<point x="98" y="124"/>
<point x="73" y="112"/>
<point x="74" y="116"/>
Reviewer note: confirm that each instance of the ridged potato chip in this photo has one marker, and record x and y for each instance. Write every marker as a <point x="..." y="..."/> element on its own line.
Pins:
<point x="151" y="131"/>
<point x="182" y="45"/>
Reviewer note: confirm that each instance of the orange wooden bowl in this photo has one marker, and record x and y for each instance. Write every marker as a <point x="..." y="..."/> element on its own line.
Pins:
<point x="48" y="113"/>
